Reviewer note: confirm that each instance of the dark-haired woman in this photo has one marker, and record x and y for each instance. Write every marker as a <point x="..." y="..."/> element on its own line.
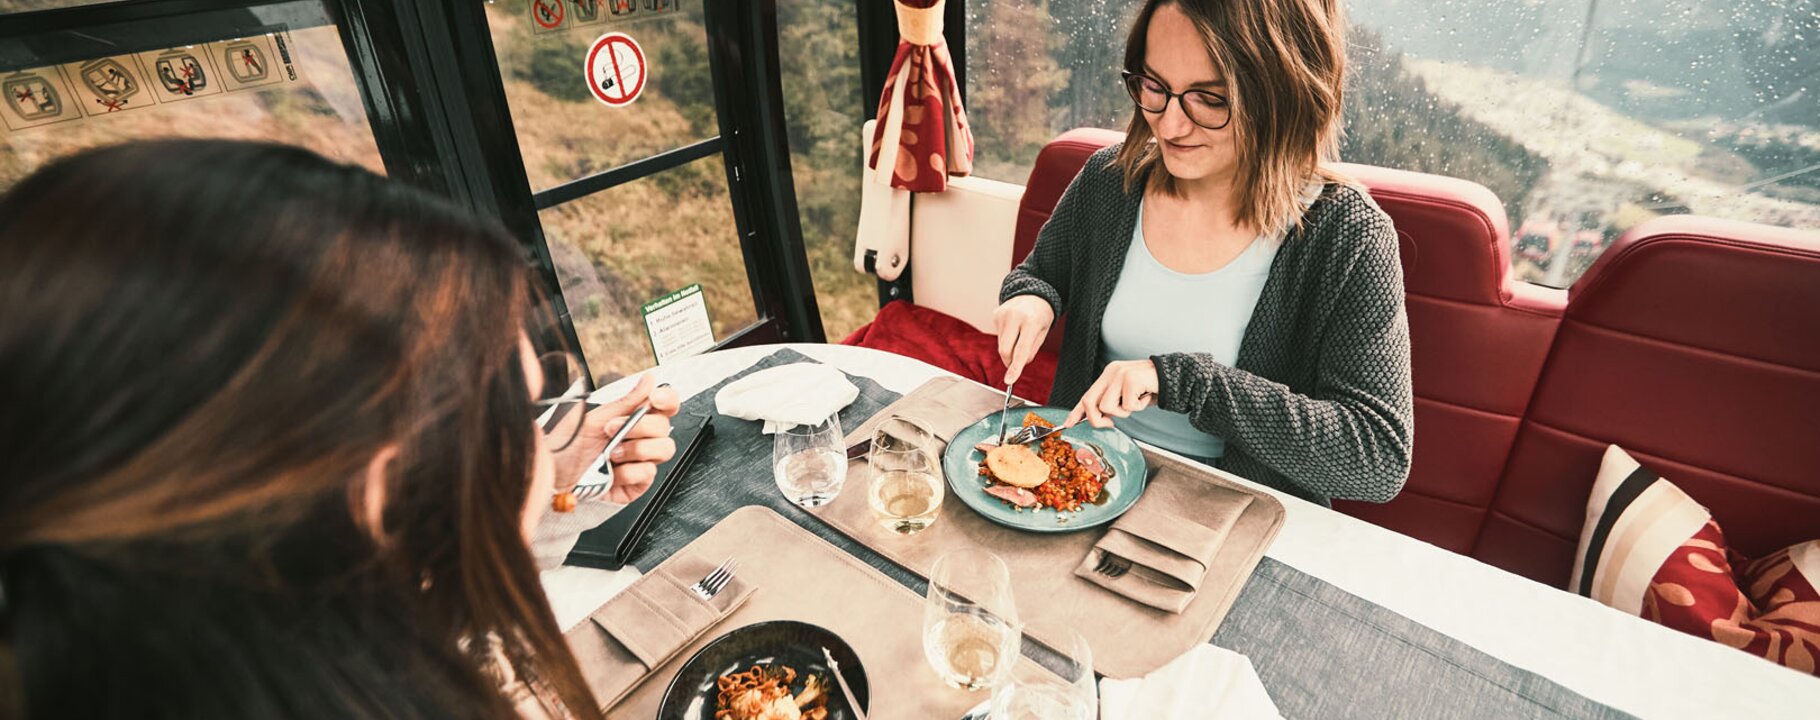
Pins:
<point x="1227" y="296"/>
<point x="267" y="447"/>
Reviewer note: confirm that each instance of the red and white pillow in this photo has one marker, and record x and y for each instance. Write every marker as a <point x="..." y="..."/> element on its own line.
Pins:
<point x="1649" y="549"/>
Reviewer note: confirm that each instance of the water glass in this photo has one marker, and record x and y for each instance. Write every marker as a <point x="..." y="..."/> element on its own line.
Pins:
<point x="1062" y="688"/>
<point x="906" y="487"/>
<point x="970" y="630"/>
<point x="808" y="462"/>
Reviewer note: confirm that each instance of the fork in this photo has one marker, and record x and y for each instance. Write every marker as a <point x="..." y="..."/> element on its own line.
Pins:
<point x="715" y="581"/>
<point x="1112" y="565"/>
<point x="1031" y="433"/>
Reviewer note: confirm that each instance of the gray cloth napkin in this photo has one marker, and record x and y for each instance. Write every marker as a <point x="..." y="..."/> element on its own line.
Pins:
<point x="1156" y="554"/>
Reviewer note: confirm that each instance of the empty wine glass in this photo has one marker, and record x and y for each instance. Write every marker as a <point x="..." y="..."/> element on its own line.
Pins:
<point x="970" y="630"/>
<point x="809" y="463"/>
<point x="1061" y="684"/>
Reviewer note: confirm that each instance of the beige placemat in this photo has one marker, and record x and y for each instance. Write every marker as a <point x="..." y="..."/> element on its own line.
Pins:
<point x="798" y="576"/>
<point x="1128" y="639"/>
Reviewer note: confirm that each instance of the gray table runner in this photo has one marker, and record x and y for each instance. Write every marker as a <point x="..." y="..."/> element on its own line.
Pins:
<point x="1320" y="651"/>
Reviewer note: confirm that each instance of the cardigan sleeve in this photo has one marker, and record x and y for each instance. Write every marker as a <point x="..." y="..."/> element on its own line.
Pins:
<point x="1351" y="436"/>
<point x="1044" y="273"/>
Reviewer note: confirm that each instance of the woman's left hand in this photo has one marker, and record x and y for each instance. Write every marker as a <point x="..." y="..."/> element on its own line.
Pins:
<point x="1125" y="387"/>
<point x="636" y="458"/>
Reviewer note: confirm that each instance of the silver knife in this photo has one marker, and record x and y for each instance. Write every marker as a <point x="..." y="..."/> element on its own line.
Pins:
<point x="1001" y="414"/>
<point x="852" y="702"/>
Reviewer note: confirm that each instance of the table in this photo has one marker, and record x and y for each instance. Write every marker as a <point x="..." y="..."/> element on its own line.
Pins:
<point x="1608" y="656"/>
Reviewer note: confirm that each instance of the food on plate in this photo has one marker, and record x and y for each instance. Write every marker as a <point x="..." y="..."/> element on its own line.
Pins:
<point x="1055" y="475"/>
<point x="1017" y="466"/>
<point x="1014" y="495"/>
<point x="763" y="693"/>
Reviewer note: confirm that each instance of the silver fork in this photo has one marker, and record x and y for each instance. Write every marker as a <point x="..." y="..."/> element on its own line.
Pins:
<point x="715" y="581"/>
<point x="1112" y="565"/>
<point x="1031" y="433"/>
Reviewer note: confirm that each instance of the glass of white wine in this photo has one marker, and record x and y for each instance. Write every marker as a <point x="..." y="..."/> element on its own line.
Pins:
<point x="906" y="489"/>
<point x="808" y="463"/>
<point x="1059" y="686"/>
<point x="970" y="630"/>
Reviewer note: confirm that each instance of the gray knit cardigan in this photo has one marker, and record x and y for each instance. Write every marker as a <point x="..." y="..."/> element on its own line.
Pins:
<point x="1319" y="403"/>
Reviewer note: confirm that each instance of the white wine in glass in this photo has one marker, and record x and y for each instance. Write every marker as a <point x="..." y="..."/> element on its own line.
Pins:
<point x="906" y="489"/>
<point x="970" y="631"/>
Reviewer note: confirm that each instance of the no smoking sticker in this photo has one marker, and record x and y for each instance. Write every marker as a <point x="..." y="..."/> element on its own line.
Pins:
<point x="615" y="69"/>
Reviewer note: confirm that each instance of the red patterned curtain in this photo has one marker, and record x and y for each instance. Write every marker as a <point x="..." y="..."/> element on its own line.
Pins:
<point x="922" y="132"/>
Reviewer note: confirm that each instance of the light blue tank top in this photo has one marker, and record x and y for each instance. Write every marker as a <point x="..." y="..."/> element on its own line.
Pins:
<point x="1155" y="310"/>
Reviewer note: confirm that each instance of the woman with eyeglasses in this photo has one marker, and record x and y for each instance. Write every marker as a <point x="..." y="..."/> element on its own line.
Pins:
<point x="268" y="446"/>
<point x="1226" y="295"/>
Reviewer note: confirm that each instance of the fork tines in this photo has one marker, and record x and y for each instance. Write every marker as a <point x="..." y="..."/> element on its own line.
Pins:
<point x="715" y="581"/>
<point x="1112" y="565"/>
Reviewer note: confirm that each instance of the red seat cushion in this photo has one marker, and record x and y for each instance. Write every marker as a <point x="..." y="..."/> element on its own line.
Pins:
<point x="950" y="344"/>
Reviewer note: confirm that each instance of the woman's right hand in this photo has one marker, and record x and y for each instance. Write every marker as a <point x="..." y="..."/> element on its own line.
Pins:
<point x="1022" y="323"/>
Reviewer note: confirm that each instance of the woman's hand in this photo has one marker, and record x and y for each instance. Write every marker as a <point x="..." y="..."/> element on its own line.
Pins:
<point x="1022" y="323"/>
<point x="636" y="458"/>
<point x="1125" y="387"/>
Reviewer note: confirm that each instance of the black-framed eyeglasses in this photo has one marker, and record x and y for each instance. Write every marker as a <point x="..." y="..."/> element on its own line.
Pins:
<point x="1206" y="109"/>
<point x="563" y="405"/>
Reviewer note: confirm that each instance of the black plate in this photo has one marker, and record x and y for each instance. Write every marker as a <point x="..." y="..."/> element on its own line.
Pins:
<point x="798" y="645"/>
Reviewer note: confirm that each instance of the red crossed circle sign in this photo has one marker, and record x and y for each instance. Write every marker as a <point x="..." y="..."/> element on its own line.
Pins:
<point x="616" y="69"/>
<point x="547" y="13"/>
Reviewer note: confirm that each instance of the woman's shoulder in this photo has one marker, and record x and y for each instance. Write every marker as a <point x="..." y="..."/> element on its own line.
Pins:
<point x="1346" y="222"/>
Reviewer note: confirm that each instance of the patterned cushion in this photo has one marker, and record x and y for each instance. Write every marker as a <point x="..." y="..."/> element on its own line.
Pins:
<point x="1649" y="549"/>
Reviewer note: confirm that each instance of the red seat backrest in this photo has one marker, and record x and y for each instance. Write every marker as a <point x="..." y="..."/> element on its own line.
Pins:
<point x="1477" y="344"/>
<point x="1055" y="167"/>
<point x="1693" y="343"/>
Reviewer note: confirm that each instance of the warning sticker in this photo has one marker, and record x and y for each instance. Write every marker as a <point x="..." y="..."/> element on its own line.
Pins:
<point x="39" y="96"/>
<point x="615" y="69"/>
<point x="548" y="15"/>
<point x="586" y="12"/>
<point x="251" y="62"/>
<point x="182" y="73"/>
<point x="110" y="85"/>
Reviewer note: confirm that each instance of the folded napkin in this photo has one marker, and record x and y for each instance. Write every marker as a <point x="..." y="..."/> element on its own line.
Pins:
<point x="1158" y="552"/>
<point x="787" y="395"/>
<point x="641" y="628"/>
<point x="1206" y="683"/>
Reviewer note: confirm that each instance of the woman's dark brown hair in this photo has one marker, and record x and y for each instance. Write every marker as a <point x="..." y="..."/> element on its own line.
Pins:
<point x="1284" y="62"/>
<point x="203" y="345"/>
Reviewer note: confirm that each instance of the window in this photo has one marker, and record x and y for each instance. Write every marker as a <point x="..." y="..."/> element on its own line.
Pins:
<point x="563" y="132"/>
<point x="618" y="248"/>
<point x="818" y="48"/>
<point x="288" y="82"/>
<point x="1585" y="117"/>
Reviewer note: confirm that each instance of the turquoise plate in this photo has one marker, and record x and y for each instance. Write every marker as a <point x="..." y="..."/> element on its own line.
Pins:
<point x="961" y="464"/>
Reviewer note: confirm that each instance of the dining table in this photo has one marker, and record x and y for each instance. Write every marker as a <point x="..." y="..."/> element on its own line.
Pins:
<point x="1341" y="618"/>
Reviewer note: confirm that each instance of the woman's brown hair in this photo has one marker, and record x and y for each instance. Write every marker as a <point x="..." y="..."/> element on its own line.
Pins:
<point x="205" y="345"/>
<point x="1284" y="62"/>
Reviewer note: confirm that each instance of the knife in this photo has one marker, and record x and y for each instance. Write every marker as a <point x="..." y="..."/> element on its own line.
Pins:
<point x="834" y="667"/>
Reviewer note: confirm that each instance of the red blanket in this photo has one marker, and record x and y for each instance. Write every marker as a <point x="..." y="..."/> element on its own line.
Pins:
<point x="951" y="344"/>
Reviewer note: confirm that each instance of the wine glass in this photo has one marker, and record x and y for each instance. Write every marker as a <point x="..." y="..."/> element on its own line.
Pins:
<point x="970" y="631"/>
<point x="1062" y="688"/>
<point x="906" y="488"/>
<point x="809" y="463"/>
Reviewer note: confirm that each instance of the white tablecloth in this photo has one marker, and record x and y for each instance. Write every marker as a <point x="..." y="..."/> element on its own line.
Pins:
<point x="1610" y="657"/>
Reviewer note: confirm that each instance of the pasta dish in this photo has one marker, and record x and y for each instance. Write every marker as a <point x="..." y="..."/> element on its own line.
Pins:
<point x="763" y="693"/>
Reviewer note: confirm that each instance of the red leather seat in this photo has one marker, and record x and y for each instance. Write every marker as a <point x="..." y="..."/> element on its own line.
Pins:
<point x="1694" y="343"/>
<point x="1477" y="343"/>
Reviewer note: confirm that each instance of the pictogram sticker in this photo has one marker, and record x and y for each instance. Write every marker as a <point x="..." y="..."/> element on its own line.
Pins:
<point x="547" y="15"/>
<point x="39" y="96"/>
<point x="586" y="12"/>
<point x="182" y="73"/>
<point x="615" y="69"/>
